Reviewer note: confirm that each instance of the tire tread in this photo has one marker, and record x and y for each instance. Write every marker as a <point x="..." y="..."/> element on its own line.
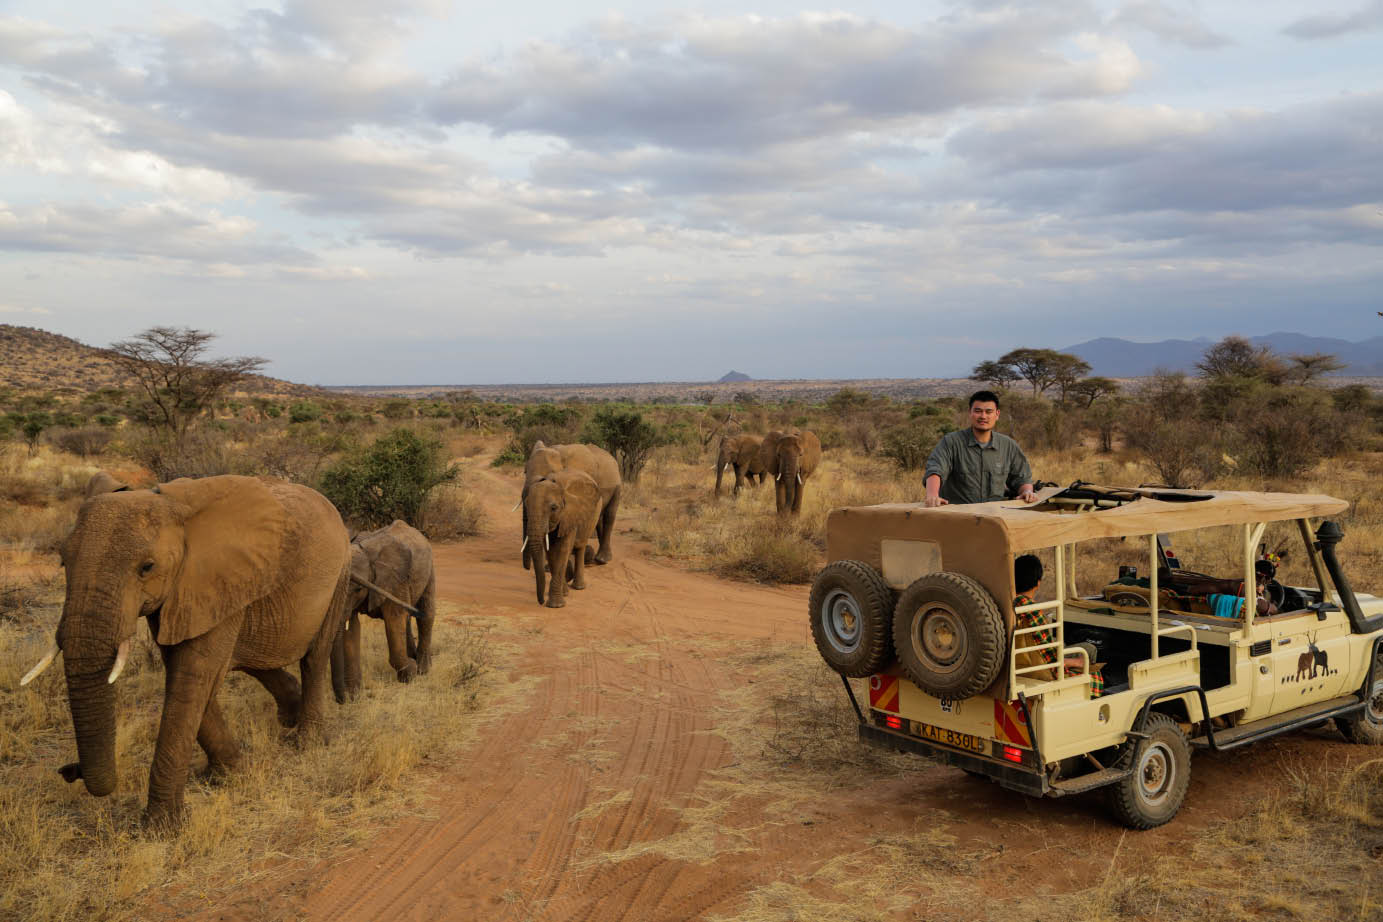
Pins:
<point x="876" y="613"/>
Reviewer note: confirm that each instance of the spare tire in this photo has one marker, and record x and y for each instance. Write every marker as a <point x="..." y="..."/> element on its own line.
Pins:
<point x="851" y="610"/>
<point x="949" y="635"/>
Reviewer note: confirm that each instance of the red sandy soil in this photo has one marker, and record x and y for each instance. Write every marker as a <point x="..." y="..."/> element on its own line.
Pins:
<point x="506" y="841"/>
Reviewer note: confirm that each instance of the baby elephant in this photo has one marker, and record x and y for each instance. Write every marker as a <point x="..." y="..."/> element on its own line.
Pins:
<point x="391" y="573"/>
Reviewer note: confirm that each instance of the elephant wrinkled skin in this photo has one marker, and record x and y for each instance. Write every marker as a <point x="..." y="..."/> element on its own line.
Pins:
<point x="740" y="452"/>
<point x="560" y="513"/>
<point x="231" y="573"/>
<point x="790" y="458"/>
<point x="398" y="560"/>
<point x="595" y="462"/>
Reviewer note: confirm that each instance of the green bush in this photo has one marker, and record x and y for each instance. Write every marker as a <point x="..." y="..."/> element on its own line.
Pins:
<point x="388" y="480"/>
<point x="909" y="445"/>
<point x="626" y="435"/>
<point x="304" y="411"/>
<point x="398" y="408"/>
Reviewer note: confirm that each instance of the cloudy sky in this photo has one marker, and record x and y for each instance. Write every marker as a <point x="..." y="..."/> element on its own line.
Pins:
<point x="551" y="191"/>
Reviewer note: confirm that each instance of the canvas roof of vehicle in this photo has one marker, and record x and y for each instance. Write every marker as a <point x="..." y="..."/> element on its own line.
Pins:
<point x="1052" y="520"/>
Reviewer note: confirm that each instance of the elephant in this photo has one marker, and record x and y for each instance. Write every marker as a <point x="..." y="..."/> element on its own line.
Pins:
<point x="742" y="453"/>
<point x="231" y="573"/>
<point x="391" y="571"/>
<point x="592" y="460"/>
<point x="560" y="513"/>
<point x="790" y="458"/>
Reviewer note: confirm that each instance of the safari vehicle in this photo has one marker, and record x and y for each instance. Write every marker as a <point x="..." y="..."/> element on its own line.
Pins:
<point x="921" y="602"/>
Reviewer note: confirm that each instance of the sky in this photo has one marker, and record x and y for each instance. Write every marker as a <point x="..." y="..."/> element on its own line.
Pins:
<point x="424" y="192"/>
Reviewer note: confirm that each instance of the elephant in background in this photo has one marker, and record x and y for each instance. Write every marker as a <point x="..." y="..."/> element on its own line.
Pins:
<point x="790" y="458"/>
<point x="595" y="462"/>
<point x="391" y="568"/>
<point x="560" y="513"/>
<point x="231" y="573"/>
<point x="740" y="452"/>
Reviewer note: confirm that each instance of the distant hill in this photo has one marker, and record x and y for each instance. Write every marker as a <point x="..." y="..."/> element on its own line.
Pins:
<point x="32" y="359"/>
<point x="1122" y="358"/>
<point x="734" y="377"/>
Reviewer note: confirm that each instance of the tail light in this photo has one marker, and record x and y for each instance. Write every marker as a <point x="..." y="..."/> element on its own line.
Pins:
<point x="1013" y="754"/>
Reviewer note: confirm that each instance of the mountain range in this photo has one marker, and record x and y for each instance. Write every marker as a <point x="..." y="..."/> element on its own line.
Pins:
<point x="1122" y="358"/>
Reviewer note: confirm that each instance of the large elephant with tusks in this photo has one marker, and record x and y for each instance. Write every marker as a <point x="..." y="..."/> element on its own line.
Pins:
<point x="230" y="573"/>
<point x="790" y="458"/>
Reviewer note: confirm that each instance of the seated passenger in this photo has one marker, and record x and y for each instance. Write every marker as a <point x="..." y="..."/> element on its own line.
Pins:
<point x="1227" y="605"/>
<point x="1027" y="577"/>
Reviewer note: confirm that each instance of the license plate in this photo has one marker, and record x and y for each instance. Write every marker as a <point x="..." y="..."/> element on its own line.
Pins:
<point x="950" y="737"/>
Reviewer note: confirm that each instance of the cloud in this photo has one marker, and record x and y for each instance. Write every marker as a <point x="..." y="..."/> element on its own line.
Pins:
<point x="1332" y="25"/>
<point x="700" y="84"/>
<point x="1177" y="27"/>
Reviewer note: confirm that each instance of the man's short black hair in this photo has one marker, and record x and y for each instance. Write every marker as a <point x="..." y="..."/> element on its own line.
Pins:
<point x="1027" y="572"/>
<point x="983" y="396"/>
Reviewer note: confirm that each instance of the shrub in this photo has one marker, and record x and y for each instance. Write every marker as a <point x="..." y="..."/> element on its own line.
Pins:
<point x="83" y="442"/>
<point x="388" y="480"/>
<point x="304" y="411"/>
<point x="450" y="513"/>
<point x="909" y="446"/>
<point x="768" y="551"/>
<point x="203" y="453"/>
<point x="627" y="436"/>
<point x="397" y="408"/>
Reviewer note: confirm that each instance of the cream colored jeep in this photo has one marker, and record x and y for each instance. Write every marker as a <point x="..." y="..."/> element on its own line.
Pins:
<point x="921" y="603"/>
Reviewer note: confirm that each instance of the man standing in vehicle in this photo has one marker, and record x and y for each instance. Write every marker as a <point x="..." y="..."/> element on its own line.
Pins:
<point x="978" y="465"/>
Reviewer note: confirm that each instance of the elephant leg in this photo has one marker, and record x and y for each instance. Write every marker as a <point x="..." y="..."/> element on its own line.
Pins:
<point x="739" y="478"/>
<point x="288" y="694"/>
<point x="606" y="530"/>
<point x="338" y="667"/>
<point x="353" y="637"/>
<point x="315" y="665"/>
<point x="578" y="579"/>
<point x="214" y="736"/>
<point x="720" y="472"/>
<point x="797" y="497"/>
<point x="427" y="614"/>
<point x="557" y="559"/>
<point x="194" y="670"/>
<point x="410" y="639"/>
<point x="395" y="628"/>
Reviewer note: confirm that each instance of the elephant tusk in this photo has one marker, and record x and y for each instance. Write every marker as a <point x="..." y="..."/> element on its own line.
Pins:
<point x="41" y="665"/>
<point x="121" y="655"/>
<point x="547" y="543"/>
<point x="799" y="478"/>
<point x="517" y="505"/>
<point x="523" y="547"/>
<point x="779" y="477"/>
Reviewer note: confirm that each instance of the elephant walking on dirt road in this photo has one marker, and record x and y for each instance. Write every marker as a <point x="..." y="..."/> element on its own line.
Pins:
<point x="392" y="580"/>
<point x="560" y="513"/>
<point x="231" y="573"/>
<point x="595" y="462"/>
<point x="790" y="458"/>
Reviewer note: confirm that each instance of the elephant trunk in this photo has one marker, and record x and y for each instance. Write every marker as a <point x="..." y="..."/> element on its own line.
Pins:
<point x="536" y="533"/>
<point x="91" y="698"/>
<point x="790" y="473"/>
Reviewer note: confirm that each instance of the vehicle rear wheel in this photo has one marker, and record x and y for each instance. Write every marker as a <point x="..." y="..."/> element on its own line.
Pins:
<point x="949" y="635"/>
<point x="1153" y="793"/>
<point x="851" y="610"/>
<point x="1367" y="726"/>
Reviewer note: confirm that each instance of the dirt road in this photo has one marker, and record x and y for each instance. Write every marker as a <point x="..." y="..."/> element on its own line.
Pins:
<point x="601" y="795"/>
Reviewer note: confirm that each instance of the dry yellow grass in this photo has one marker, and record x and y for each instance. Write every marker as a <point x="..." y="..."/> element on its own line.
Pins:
<point x="67" y="855"/>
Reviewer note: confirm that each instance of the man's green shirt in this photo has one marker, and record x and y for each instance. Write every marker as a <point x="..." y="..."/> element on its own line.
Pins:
<point x="975" y="473"/>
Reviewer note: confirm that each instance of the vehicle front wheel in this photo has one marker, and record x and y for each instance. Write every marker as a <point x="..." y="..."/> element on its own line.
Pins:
<point x="1367" y="726"/>
<point x="1152" y="794"/>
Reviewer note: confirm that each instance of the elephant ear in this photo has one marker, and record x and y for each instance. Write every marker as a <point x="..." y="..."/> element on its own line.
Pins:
<point x="582" y="502"/>
<point x="392" y="563"/>
<point x="233" y="532"/>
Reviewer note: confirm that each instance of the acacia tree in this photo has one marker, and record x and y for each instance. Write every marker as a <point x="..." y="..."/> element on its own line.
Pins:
<point x="1309" y="366"/>
<point x="1091" y="389"/>
<point x="996" y="374"/>
<point x="1038" y="367"/>
<point x="1067" y="371"/>
<point x="175" y="379"/>
<point x="1236" y="357"/>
